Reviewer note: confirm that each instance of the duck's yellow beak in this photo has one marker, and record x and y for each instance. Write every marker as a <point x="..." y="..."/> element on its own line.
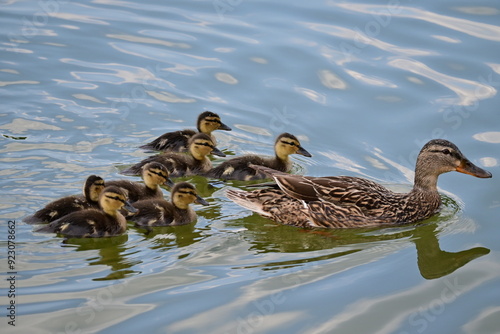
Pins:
<point x="468" y="167"/>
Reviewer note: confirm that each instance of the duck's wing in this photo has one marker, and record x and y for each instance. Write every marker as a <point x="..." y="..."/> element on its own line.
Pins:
<point x="340" y="190"/>
<point x="274" y="204"/>
<point x="153" y="212"/>
<point x="176" y="141"/>
<point x="175" y="163"/>
<point x="78" y="224"/>
<point x="238" y="168"/>
<point x="57" y="209"/>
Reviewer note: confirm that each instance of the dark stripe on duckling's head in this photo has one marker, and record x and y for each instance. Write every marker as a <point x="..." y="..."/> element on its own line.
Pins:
<point x="114" y="198"/>
<point x="116" y="193"/>
<point x="207" y="114"/>
<point x="93" y="187"/>
<point x="157" y="169"/>
<point x="202" y="140"/>
<point x="287" y="144"/>
<point x="209" y="121"/>
<point x="184" y="193"/>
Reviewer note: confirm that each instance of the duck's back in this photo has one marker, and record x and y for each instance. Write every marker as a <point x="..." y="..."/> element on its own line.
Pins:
<point x="337" y="202"/>
<point x="136" y="191"/>
<point x="178" y="164"/>
<point x="176" y="141"/>
<point x="153" y="212"/>
<point x="89" y="223"/>
<point x="372" y="202"/>
<point x="159" y="212"/>
<point x="60" y="208"/>
<point x="238" y="168"/>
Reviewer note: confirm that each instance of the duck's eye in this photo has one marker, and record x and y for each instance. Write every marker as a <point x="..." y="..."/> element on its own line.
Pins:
<point x="159" y="173"/>
<point x="446" y="151"/>
<point x="289" y="143"/>
<point x="206" y="144"/>
<point x="213" y="120"/>
<point x="116" y="198"/>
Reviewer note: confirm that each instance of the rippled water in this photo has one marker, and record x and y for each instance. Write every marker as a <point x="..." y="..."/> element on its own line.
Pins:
<point x="363" y="85"/>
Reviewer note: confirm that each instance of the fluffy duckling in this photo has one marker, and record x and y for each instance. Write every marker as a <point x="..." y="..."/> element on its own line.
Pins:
<point x="345" y="201"/>
<point x="154" y="174"/>
<point x="159" y="212"/>
<point x="238" y="168"/>
<point x="179" y="164"/>
<point x="92" y="188"/>
<point x="94" y="223"/>
<point x="178" y="141"/>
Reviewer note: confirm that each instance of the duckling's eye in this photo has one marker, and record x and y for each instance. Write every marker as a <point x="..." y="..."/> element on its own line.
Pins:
<point x="116" y="198"/>
<point x="187" y="192"/>
<point x="161" y="174"/>
<point x="446" y="151"/>
<point x="213" y="120"/>
<point x="206" y="144"/>
<point x="288" y="143"/>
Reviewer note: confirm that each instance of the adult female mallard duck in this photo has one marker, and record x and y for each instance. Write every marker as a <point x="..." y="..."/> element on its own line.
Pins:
<point x="94" y="223"/>
<point x="344" y="201"/>
<point x="63" y="206"/>
<point x="178" y="141"/>
<point x="154" y="174"/>
<point x="238" y="168"/>
<point x="180" y="164"/>
<point x="159" y="212"/>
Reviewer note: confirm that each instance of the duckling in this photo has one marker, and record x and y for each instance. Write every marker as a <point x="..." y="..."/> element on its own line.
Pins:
<point x="154" y="174"/>
<point x="179" y="164"/>
<point x="94" y="223"/>
<point x="345" y="201"/>
<point x="56" y="209"/>
<point x="178" y="141"/>
<point x="159" y="212"/>
<point x="238" y="168"/>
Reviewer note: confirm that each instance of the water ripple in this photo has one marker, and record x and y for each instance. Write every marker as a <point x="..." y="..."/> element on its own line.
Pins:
<point x="468" y="91"/>
<point x="476" y="29"/>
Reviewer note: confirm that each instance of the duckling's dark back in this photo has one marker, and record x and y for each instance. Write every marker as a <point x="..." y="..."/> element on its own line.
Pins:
<point x="66" y="205"/>
<point x="93" y="223"/>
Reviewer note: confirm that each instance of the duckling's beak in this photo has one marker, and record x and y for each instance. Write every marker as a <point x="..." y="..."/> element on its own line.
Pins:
<point x="200" y="200"/>
<point x="217" y="152"/>
<point x="169" y="183"/>
<point x="303" y="152"/>
<point x="127" y="206"/>
<point x="223" y="126"/>
<point x="468" y="167"/>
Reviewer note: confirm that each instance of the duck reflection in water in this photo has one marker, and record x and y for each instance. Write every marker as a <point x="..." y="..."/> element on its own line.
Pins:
<point x="433" y="262"/>
<point x="112" y="252"/>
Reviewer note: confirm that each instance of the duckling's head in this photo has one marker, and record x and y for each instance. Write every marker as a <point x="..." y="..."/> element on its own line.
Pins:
<point x="209" y="121"/>
<point x="93" y="187"/>
<point x="202" y="145"/>
<point x="184" y="193"/>
<point x="155" y="174"/>
<point x="287" y="144"/>
<point x="440" y="156"/>
<point x="113" y="199"/>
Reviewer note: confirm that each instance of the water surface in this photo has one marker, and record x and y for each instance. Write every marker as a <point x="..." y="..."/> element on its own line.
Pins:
<point x="363" y="85"/>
